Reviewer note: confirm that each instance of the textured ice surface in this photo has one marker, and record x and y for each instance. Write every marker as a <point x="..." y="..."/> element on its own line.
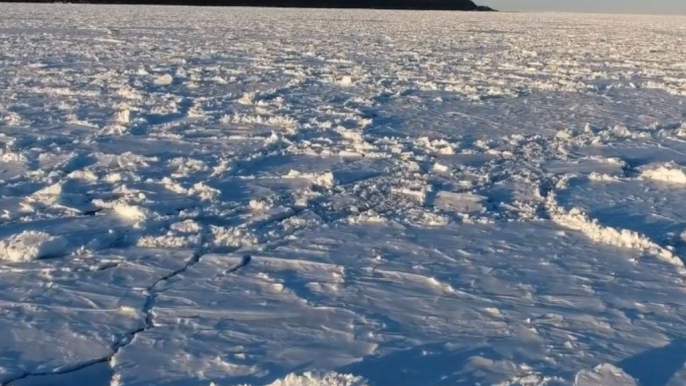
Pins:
<point x="196" y="196"/>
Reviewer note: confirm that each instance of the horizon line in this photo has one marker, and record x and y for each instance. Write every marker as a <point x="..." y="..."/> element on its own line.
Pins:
<point x="144" y="3"/>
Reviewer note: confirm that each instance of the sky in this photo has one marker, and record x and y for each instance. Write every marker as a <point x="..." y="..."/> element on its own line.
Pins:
<point x="616" y="6"/>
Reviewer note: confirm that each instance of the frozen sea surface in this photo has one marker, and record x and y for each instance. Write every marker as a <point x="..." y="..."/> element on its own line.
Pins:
<point x="204" y="196"/>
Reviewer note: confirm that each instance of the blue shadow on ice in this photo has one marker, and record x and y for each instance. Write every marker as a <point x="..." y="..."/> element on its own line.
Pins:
<point x="657" y="366"/>
<point x="427" y="365"/>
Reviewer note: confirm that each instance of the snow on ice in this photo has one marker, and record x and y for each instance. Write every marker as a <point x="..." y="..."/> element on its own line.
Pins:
<point x="203" y="196"/>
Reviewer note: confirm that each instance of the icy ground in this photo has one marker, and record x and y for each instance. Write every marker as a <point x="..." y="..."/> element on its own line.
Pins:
<point x="341" y="198"/>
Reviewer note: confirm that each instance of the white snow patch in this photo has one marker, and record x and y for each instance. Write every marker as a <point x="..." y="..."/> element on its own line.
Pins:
<point x="261" y="204"/>
<point x="604" y="375"/>
<point x="122" y="116"/>
<point x="320" y="379"/>
<point x="186" y="226"/>
<point x="204" y="191"/>
<point x="130" y="212"/>
<point x="164" y="80"/>
<point x="84" y="174"/>
<point x="169" y="241"/>
<point x="460" y="202"/>
<point x="440" y="168"/>
<point x="416" y="194"/>
<point x="247" y="99"/>
<point x="12" y="119"/>
<point x="232" y="237"/>
<point x="603" y="177"/>
<point x="369" y="216"/>
<point x="278" y="120"/>
<point x="668" y="172"/>
<point x="325" y="179"/>
<point x="345" y="81"/>
<point x="32" y="245"/>
<point x="437" y="146"/>
<point x="578" y="220"/>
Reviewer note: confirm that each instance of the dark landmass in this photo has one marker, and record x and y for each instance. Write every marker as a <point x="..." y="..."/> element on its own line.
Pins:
<point x="448" y="5"/>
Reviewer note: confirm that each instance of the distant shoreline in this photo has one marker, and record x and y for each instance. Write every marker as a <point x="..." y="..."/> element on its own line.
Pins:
<point x="418" y="5"/>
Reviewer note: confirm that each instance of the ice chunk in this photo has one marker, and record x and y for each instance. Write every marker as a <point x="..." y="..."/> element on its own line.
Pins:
<point x="31" y="245"/>
<point x="164" y="80"/>
<point x="324" y="379"/>
<point x="668" y="172"/>
<point x="604" y="374"/>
